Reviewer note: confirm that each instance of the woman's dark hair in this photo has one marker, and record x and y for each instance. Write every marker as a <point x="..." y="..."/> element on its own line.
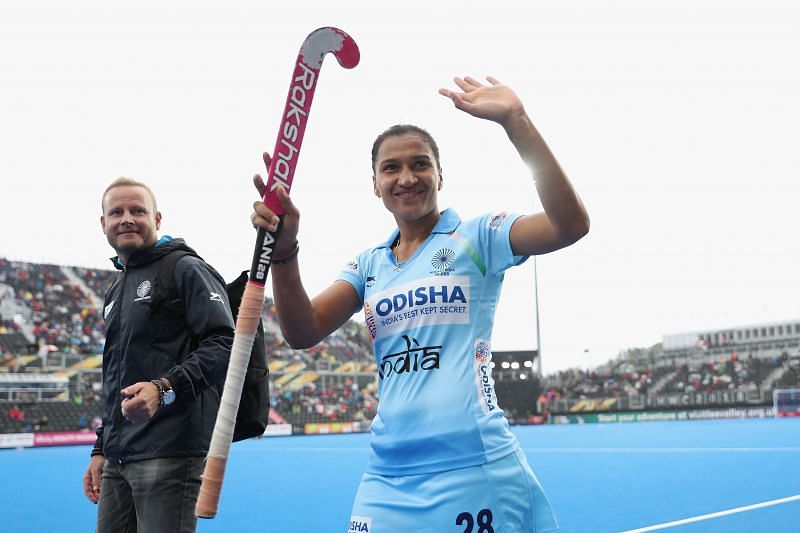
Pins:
<point x="402" y="129"/>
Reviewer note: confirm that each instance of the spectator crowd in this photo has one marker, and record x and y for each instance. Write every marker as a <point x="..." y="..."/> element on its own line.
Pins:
<point x="61" y="318"/>
<point x="333" y="381"/>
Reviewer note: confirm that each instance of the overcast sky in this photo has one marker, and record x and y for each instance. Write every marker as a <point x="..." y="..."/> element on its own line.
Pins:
<point x="677" y="122"/>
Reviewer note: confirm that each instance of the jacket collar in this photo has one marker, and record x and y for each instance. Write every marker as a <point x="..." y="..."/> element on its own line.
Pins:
<point x="164" y="246"/>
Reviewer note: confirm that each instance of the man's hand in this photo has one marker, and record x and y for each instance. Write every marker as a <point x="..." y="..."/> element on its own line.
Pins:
<point x="93" y="478"/>
<point x="139" y="401"/>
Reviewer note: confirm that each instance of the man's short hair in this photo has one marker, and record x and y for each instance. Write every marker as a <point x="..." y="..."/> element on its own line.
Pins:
<point x="122" y="181"/>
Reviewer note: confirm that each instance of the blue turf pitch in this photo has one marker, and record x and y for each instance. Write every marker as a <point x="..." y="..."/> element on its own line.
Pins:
<point x="600" y="478"/>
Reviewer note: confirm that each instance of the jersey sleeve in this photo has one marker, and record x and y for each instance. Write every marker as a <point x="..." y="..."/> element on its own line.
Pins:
<point x="494" y="234"/>
<point x="353" y="273"/>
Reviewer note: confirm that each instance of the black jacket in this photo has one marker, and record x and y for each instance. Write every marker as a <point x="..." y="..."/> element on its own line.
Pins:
<point x="144" y="344"/>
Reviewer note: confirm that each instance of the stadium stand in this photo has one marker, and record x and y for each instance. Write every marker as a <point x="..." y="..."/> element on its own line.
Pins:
<point x="12" y="340"/>
<point x="49" y="416"/>
<point x="737" y="367"/>
<point x="54" y="325"/>
<point x="51" y="324"/>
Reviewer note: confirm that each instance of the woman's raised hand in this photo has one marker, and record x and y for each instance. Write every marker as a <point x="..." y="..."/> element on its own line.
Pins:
<point x="495" y="102"/>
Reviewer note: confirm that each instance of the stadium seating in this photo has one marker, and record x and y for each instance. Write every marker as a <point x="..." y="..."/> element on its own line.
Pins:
<point x="64" y="323"/>
<point x="53" y="324"/>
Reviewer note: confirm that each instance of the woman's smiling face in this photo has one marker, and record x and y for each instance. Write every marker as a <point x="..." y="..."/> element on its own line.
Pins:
<point x="407" y="177"/>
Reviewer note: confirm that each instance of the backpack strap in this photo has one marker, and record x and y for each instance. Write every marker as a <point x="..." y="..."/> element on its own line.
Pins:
<point x="167" y="294"/>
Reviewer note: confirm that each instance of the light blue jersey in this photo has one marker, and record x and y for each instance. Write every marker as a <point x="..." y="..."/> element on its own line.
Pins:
<point x="431" y="320"/>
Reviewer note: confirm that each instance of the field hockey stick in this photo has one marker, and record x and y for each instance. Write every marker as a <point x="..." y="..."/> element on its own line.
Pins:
<point x="280" y="173"/>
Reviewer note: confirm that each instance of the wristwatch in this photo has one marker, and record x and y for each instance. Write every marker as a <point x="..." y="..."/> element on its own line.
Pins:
<point x="165" y="393"/>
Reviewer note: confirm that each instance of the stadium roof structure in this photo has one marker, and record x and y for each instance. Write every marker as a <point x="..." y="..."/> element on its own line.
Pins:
<point x="784" y="330"/>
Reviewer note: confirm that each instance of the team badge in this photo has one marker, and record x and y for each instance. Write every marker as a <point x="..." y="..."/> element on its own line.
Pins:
<point x="443" y="258"/>
<point x="496" y="220"/>
<point x="143" y="291"/>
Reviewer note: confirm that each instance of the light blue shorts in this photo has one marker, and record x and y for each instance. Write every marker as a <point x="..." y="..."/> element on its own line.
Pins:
<point x="499" y="497"/>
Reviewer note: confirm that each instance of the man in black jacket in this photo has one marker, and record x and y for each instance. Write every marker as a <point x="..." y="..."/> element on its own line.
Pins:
<point x="161" y="369"/>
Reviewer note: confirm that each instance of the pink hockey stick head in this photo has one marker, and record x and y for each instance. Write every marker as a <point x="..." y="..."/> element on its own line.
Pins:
<point x="329" y="40"/>
<point x="316" y="46"/>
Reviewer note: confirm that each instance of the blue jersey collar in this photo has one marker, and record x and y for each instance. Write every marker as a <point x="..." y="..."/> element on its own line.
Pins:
<point x="446" y="224"/>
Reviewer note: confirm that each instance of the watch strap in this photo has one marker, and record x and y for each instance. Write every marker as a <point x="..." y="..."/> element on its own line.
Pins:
<point x="161" y="391"/>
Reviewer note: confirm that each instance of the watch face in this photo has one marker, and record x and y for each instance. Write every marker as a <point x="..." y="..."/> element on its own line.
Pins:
<point x="169" y="397"/>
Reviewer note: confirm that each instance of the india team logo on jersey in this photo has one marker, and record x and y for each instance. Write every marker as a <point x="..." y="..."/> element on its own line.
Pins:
<point x="442" y="262"/>
<point x="414" y="358"/>
<point x="483" y="377"/>
<point x="443" y="258"/>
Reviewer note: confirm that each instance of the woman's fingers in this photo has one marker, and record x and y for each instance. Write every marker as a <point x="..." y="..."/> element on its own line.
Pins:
<point x="258" y="181"/>
<point x="261" y="187"/>
<point x="473" y="82"/>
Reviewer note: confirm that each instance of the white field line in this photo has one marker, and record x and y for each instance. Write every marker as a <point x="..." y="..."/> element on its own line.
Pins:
<point x="716" y="515"/>
<point x="329" y="449"/>
<point x="793" y="449"/>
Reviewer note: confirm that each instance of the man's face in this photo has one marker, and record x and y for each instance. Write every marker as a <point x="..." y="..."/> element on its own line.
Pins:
<point x="129" y="220"/>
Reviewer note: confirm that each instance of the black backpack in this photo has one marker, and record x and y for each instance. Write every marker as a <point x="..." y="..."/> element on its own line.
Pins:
<point x="253" y="414"/>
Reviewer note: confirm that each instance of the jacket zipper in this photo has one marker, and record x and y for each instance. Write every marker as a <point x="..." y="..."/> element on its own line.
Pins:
<point x="121" y="363"/>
